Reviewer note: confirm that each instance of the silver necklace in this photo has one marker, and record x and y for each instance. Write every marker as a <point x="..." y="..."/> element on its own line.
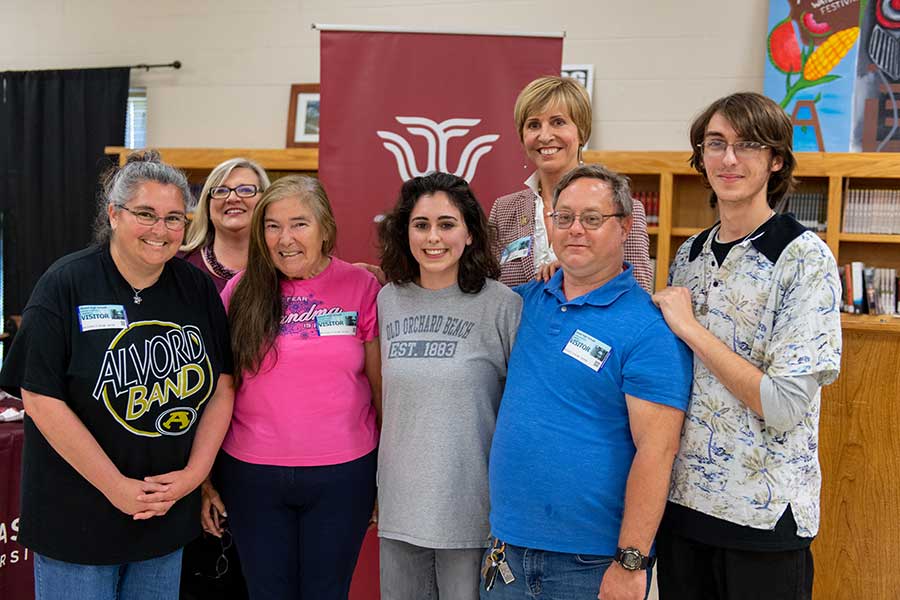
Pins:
<point x="137" y="294"/>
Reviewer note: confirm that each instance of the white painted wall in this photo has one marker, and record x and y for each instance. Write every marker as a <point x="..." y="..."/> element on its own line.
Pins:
<point x="657" y="62"/>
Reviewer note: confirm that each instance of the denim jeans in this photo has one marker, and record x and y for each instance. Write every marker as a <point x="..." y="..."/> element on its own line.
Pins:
<point x="152" y="579"/>
<point x="546" y="575"/>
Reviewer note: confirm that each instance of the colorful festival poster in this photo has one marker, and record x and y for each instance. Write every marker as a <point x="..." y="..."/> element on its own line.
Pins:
<point x="811" y="69"/>
<point x="876" y="126"/>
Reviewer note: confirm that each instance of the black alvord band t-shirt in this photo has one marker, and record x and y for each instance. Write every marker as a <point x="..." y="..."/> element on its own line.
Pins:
<point x="138" y="375"/>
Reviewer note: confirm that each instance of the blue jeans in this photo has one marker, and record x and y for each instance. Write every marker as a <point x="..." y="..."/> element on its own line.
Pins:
<point x="152" y="579"/>
<point x="546" y="575"/>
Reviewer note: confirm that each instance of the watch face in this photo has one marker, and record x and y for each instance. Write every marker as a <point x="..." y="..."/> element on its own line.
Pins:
<point x="631" y="560"/>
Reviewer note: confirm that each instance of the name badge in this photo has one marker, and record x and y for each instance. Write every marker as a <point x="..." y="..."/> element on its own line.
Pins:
<point x="519" y="248"/>
<point x="342" y="323"/>
<point x="587" y="350"/>
<point x="102" y="316"/>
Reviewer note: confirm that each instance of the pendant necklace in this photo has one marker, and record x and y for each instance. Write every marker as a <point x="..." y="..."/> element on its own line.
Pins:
<point x="137" y="294"/>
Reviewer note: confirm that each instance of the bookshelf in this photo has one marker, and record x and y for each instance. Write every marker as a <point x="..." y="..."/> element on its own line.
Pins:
<point x="684" y="201"/>
<point x="860" y="415"/>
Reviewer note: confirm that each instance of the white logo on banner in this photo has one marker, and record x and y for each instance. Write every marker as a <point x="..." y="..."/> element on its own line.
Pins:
<point x="437" y="135"/>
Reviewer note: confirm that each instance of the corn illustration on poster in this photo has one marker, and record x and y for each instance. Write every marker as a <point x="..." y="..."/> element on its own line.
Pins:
<point x="812" y="49"/>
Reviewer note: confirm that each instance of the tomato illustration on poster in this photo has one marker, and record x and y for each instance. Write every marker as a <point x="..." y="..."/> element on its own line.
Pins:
<point x="811" y="69"/>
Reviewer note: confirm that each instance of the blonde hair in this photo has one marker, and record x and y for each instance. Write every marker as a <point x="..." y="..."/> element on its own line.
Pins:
<point x="548" y="91"/>
<point x="200" y="232"/>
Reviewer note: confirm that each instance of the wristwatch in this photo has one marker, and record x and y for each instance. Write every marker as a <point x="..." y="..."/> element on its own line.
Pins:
<point x="631" y="559"/>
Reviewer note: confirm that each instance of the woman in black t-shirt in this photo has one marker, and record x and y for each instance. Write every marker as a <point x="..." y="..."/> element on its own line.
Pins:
<point x="124" y="367"/>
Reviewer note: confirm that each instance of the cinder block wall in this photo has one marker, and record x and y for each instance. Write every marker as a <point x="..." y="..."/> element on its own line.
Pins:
<point x="657" y="62"/>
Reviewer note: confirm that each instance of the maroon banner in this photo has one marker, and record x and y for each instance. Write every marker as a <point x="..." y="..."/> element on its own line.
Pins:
<point x="399" y="105"/>
<point x="16" y="570"/>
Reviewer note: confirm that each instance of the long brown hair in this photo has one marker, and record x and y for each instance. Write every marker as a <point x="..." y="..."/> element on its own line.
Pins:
<point x="255" y="310"/>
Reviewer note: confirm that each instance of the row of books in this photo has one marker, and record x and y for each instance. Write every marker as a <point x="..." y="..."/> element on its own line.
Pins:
<point x="869" y="290"/>
<point x="872" y="211"/>
<point x="810" y="208"/>
<point x="650" y="200"/>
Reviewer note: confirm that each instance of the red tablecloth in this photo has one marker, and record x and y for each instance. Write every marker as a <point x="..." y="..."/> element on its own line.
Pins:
<point x="16" y="568"/>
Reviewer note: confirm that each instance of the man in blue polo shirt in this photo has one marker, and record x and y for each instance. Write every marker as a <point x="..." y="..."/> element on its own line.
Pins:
<point x="591" y="415"/>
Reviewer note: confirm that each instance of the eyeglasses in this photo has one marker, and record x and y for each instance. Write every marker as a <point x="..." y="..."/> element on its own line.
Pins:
<point x="220" y="192"/>
<point x="225" y="543"/>
<point x="742" y="149"/>
<point x="588" y="220"/>
<point x="149" y="218"/>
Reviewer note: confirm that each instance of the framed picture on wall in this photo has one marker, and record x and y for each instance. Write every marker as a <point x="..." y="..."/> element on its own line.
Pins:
<point x="583" y="74"/>
<point x="303" y="116"/>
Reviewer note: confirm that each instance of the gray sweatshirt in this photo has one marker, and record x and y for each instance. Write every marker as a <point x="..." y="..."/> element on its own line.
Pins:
<point x="443" y="357"/>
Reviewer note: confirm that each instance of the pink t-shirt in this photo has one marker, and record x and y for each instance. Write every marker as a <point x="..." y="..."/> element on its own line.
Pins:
<point x="310" y="404"/>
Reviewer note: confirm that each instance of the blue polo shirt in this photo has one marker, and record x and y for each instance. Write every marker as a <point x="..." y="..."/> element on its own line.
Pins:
<point x="563" y="449"/>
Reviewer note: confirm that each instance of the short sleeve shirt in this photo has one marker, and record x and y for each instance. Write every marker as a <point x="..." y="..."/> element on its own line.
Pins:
<point x="138" y="376"/>
<point x="310" y="402"/>
<point x="774" y="302"/>
<point x="563" y="448"/>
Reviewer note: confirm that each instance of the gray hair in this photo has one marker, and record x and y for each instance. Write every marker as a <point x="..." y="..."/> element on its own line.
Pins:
<point x="121" y="184"/>
<point x="621" y="188"/>
<point x="201" y="232"/>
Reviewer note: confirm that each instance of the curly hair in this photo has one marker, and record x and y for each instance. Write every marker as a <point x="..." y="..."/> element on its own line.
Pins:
<point x="477" y="263"/>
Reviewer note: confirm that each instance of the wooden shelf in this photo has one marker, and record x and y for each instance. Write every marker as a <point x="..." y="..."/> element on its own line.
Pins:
<point x="872" y="238"/>
<point x="686" y="231"/>
<point x="289" y="159"/>
<point x="875" y="323"/>
<point x="652" y="230"/>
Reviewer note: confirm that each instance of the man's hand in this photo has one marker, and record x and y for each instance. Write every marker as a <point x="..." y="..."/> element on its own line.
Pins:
<point x="677" y="310"/>
<point x="621" y="584"/>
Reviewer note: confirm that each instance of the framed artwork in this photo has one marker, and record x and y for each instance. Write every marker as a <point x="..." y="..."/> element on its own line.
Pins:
<point x="303" y="116"/>
<point x="583" y="74"/>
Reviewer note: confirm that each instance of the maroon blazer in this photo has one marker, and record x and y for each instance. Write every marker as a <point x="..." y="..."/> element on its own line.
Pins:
<point x="513" y="217"/>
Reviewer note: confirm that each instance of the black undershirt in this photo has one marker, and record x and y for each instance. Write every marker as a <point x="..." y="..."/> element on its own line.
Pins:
<point x="720" y="250"/>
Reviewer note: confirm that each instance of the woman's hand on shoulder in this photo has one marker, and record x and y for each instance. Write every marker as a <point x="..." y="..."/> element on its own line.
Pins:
<point x="374" y="270"/>
<point x="546" y="272"/>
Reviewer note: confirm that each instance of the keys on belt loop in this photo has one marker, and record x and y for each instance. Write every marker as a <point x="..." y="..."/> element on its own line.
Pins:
<point x="496" y="563"/>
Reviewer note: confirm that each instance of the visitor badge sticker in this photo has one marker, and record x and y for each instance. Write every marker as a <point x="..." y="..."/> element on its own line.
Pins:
<point x="342" y="323"/>
<point x="519" y="248"/>
<point x="102" y="316"/>
<point x="587" y="350"/>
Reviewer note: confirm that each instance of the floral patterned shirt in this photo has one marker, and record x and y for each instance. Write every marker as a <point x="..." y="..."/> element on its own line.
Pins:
<point x="775" y="302"/>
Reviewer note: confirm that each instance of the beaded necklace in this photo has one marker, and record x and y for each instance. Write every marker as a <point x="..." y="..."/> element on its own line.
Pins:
<point x="218" y="268"/>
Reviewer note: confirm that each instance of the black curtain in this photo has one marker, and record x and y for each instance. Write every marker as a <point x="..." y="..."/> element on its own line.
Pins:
<point x="53" y="127"/>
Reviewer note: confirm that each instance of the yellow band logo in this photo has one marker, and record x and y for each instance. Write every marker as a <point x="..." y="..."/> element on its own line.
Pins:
<point x="154" y="378"/>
